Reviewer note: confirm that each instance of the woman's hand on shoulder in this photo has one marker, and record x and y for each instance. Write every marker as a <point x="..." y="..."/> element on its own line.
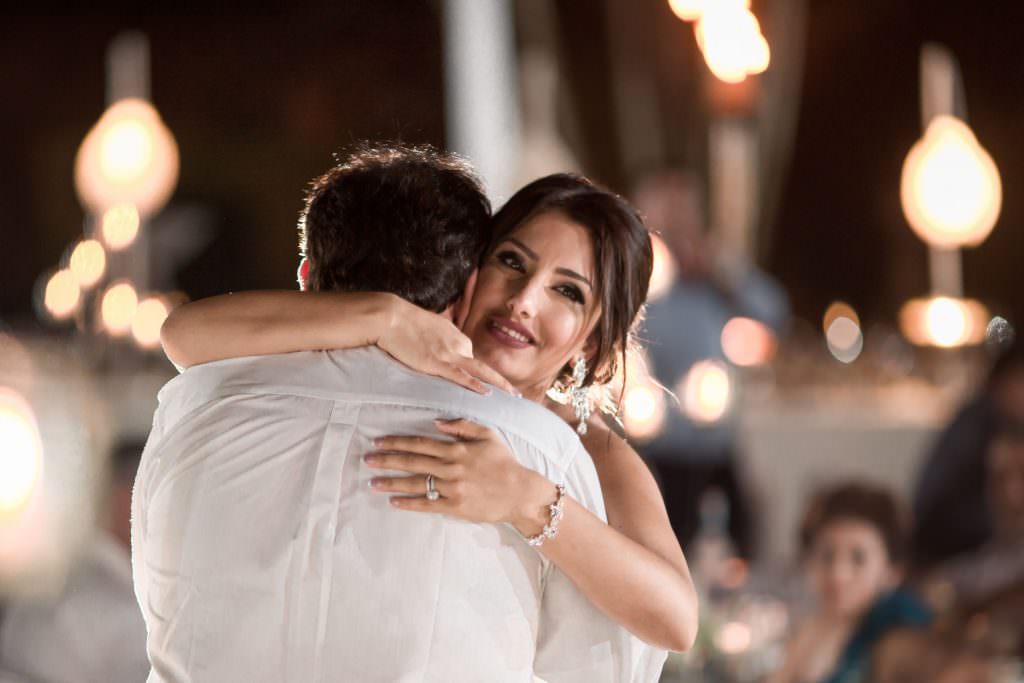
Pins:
<point x="432" y="344"/>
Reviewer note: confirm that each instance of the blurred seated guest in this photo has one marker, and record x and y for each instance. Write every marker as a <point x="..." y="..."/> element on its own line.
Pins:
<point x="710" y="286"/>
<point x="92" y="631"/>
<point x="853" y="541"/>
<point x="990" y="580"/>
<point x="950" y="514"/>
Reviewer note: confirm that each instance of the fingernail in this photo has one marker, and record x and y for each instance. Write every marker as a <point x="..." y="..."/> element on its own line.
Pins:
<point x="375" y="483"/>
<point x="377" y="442"/>
<point x="395" y="502"/>
<point x="371" y="459"/>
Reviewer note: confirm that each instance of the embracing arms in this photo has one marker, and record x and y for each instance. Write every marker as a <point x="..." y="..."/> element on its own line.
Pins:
<point x="266" y="322"/>
<point x="632" y="568"/>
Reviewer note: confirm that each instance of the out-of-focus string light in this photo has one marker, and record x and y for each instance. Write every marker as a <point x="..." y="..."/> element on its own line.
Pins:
<point x="88" y="262"/>
<point x="730" y="37"/>
<point x="944" y="322"/>
<point x="663" y="272"/>
<point x="706" y="391"/>
<point x="129" y="157"/>
<point x="838" y="309"/>
<point x="643" y="399"/>
<point x="950" y="188"/>
<point x="21" y="453"/>
<point x="844" y="339"/>
<point x="117" y="308"/>
<point x="119" y="226"/>
<point x="149" y="317"/>
<point x="747" y="342"/>
<point x="62" y="294"/>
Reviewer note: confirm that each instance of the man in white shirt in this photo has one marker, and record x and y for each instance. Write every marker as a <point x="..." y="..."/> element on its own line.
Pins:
<point x="259" y="552"/>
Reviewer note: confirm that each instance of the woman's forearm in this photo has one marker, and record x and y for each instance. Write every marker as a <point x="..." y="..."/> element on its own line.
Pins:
<point x="633" y="585"/>
<point x="264" y="322"/>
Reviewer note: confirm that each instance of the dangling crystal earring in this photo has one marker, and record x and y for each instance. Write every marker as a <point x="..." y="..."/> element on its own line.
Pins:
<point x="578" y="395"/>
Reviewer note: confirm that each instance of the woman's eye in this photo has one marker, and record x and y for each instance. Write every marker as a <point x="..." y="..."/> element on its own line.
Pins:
<point x="510" y="259"/>
<point x="571" y="292"/>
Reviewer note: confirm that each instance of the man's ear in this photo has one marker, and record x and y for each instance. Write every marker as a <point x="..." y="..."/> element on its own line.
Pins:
<point x="461" y="307"/>
<point x="303" y="273"/>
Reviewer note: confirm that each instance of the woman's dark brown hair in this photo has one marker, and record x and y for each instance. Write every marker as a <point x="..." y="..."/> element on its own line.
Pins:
<point x="622" y="255"/>
<point x="859" y="502"/>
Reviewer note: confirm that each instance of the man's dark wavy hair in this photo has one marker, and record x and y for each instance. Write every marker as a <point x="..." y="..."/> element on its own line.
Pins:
<point x="395" y="218"/>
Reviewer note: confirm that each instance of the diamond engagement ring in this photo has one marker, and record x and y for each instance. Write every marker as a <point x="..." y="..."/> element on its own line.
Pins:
<point x="432" y="493"/>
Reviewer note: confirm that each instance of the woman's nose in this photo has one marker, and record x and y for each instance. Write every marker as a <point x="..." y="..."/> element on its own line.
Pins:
<point x="522" y="300"/>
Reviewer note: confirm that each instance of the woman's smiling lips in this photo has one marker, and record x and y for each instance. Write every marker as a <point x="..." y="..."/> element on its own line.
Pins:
<point x="510" y="333"/>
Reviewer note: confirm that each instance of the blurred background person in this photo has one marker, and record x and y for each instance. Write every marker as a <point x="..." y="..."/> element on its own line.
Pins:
<point x="951" y="516"/>
<point x="92" y="631"/>
<point x="853" y="540"/>
<point x="684" y="326"/>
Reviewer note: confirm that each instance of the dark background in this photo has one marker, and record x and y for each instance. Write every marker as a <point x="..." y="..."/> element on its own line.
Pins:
<point x="260" y="98"/>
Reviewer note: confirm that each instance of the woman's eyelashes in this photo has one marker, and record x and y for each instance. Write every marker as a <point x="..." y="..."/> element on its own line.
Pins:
<point x="513" y="260"/>
<point x="510" y="259"/>
<point x="571" y="292"/>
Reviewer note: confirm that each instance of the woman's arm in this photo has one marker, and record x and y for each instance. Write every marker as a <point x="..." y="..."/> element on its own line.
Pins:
<point x="632" y="568"/>
<point x="265" y="322"/>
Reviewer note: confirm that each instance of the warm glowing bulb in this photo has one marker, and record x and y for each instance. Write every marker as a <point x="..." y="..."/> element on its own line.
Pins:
<point x="62" y="294"/>
<point x="747" y="342"/>
<point x="663" y="272"/>
<point x="118" y="308"/>
<point x="120" y="225"/>
<point x="149" y="317"/>
<point x="88" y="262"/>
<point x="946" y="322"/>
<point x="688" y="10"/>
<point x="707" y="391"/>
<point x="730" y="37"/>
<point x="21" y="452"/>
<point x="129" y="157"/>
<point x="950" y="188"/>
<point x="839" y="309"/>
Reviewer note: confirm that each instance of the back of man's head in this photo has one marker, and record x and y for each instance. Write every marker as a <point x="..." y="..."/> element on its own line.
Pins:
<point x="412" y="221"/>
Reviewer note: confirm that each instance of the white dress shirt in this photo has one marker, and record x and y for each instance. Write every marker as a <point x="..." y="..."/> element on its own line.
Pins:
<point x="260" y="553"/>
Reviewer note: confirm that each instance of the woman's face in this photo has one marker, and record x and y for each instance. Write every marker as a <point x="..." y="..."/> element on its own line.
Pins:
<point x="849" y="567"/>
<point x="535" y="306"/>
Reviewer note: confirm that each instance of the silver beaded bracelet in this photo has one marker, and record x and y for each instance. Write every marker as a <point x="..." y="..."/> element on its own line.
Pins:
<point x="551" y="528"/>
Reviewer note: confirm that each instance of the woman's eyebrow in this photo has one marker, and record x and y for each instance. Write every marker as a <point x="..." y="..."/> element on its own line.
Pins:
<point x="561" y="271"/>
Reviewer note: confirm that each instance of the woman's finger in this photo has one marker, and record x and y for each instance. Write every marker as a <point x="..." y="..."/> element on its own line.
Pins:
<point x="454" y="373"/>
<point x="483" y="371"/>
<point x="420" y="504"/>
<point x="416" y="485"/>
<point x="463" y="429"/>
<point x="423" y="445"/>
<point x="406" y="462"/>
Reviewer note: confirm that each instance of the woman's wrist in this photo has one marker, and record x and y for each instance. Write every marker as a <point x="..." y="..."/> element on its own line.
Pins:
<point x="535" y="505"/>
<point x="381" y="314"/>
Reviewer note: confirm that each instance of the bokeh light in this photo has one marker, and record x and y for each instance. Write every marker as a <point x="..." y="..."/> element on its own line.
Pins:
<point x="950" y="188"/>
<point x="88" y="263"/>
<point x="688" y="10"/>
<point x="149" y="317"/>
<point x="663" y="273"/>
<point x="706" y="391"/>
<point x="747" y="342"/>
<point x="21" y="453"/>
<point x="944" y="322"/>
<point x="999" y="332"/>
<point x="730" y="38"/>
<point x="838" y="309"/>
<point x="129" y="157"/>
<point x="62" y="294"/>
<point x="120" y="226"/>
<point x="117" y="308"/>
<point x="844" y="339"/>
<point x="734" y="638"/>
